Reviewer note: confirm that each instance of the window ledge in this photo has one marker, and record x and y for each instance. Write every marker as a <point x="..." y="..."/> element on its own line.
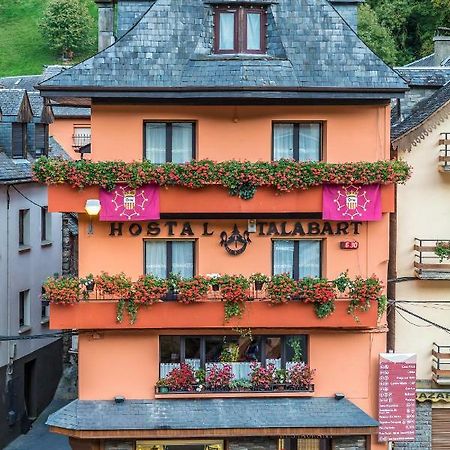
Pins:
<point x="24" y="248"/>
<point x="45" y="321"/>
<point x="46" y="243"/>
<point x="25" y="329"/>
<point x="246" y="394"/>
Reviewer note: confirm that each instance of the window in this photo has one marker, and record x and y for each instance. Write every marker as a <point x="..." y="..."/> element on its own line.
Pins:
<point x="81" y="136"/>
<point x="300" y="259"/>
<point x="299" y="141"/>
<point x="44" y="308"/>
<point x="46" y="222"/>
<point x="318" y="443"/>
<point x="19" y="140"/>
<point x="204" y="351"/>
<point x="240" y="30"/>
<point x="41" y="139"/>
<point x="180" y="445"/>
<point x="165" y="257"/>
<point x="169" y="142"/>
<point x="24" y="227"/>
<point x="24" y="309"/>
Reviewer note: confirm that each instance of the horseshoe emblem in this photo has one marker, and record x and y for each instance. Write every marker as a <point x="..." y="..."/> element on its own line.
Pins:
<point x="236" y="243"/>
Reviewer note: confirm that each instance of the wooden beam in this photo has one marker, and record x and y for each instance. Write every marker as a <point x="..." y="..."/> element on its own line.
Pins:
<point x="444" y="141"/>
<point x="440" y="372"/>
<point x="435" y="267"/>
<point x="440" y="355"/>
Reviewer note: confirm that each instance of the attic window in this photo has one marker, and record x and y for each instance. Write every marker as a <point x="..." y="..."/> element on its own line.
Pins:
<point x="240" y="29"/>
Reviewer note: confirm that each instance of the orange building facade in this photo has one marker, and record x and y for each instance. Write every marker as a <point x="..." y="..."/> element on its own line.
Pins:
<point x="241" y="356"/>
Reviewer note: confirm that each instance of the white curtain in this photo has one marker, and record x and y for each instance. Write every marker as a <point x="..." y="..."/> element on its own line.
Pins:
<point x="309" y="142"/>
<point x="155" y="138"/>
<point x="253" y="31"/>
<point x="283" y="257"/>
<point x="183" y="258"/>
<point x="226" y="28"/>
<point x="181" y="142"/>
<point x="155" y="258"/>
<point x="309" y="258"/>
<point x="283" y="141"/>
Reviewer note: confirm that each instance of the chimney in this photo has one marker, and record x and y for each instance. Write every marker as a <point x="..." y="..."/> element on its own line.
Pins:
<point x="105" y="23"/>
<point x="441" y="46"/>
<point x="348" y="9"/>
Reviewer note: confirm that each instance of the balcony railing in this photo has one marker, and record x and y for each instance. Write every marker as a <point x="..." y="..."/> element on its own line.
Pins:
<point x="428" y="265"/>
<point x="444" y="156"/>
<point x="441" y="364"/>
<point x="80" y="140"/>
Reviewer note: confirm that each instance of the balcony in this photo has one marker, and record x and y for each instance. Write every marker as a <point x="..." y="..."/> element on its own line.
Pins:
<point x="444" y="156"/>
<point x="431" y="262"/>
<point x="441" y="364"/>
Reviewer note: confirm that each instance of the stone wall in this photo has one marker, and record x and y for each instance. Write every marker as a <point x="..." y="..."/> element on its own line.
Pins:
<point x="423" y="429"/>
<point x="349" y="443"/>
<point x="253" y="444"/>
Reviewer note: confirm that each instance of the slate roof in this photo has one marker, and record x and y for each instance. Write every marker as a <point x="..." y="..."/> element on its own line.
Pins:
<point x="309" y="47"/>
<point x="230" y="413"/>
<point x="37" y="103"/>
<point x="62" y="111"/>
<point x="425" y="77"/>
<point x="19" y="170"/>
<point x="428" y="61"/>
<point x="421" y="112"/>
<point x="11" y="101"/>
<point x="28" y="82"/>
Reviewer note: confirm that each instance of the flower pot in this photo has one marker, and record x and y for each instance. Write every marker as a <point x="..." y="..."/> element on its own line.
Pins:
<point x="171" y="296"/>
<point x="45" y="302"/>
<point x="259" y="285"/>
<point x="215" y="287"/>
<point x="163" y="389"/>
<point x="90" y="284"/>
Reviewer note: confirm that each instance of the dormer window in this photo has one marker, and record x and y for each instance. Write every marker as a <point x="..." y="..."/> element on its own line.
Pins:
<point x="240" y="30"/>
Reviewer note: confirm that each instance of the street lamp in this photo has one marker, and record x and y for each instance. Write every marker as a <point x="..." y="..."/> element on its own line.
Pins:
<point x="92" y="208"/>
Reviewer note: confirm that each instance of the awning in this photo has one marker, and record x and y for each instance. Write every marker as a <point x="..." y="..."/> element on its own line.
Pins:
<point x="212" y="417"/>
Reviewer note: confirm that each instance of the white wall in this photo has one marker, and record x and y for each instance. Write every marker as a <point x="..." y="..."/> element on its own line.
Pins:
<point x="25" y="270"/>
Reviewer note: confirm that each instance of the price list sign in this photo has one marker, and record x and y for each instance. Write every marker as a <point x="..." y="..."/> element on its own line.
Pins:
<point x="397" y="398"/>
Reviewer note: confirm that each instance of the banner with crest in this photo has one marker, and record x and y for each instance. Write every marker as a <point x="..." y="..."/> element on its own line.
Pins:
<point x="352" y="203"/>
<point x="125" y="204"/>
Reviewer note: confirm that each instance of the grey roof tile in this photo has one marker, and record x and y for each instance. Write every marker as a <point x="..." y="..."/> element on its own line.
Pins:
<point x="309" y="45"/>
<point x="425" y="77"/>
<point x="230" y="413"/>
<point x="62" y="111"/>
<point x="11" y="101"/>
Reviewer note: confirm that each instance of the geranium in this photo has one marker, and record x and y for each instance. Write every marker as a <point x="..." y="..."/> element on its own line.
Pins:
<point x="219" y="376"/>
<point x="320" y="292"/>
<point x="192" y="290"/>
<point x="67" y="290"/>
<point x="181" y="378"/>
<point x="115" y="285"/>
<point x="362" y="292"/>
<point x="234" y="291"/>
<point x="261" y="377"/>
<point x="281" y="288"/>
<point x="148" y="290"/>
<point x="300" y="376"/>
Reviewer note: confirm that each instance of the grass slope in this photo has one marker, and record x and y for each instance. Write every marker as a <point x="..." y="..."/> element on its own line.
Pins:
<point x="22" y="49"/>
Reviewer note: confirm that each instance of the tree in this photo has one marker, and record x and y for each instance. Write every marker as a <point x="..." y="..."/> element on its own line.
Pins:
<point x="66" y="26"/>
<point x="376" y="36"/>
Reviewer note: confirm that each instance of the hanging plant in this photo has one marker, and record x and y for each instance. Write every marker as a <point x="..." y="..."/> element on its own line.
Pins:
<point x="362" y="292"/>
<point x="442" y="250"/>
<point x="320" y="292"/>
<point x="149" y="289"/>
<point x="281" y="288"/>
<point x="191" y="290"/>
<point x="65" y="290"/>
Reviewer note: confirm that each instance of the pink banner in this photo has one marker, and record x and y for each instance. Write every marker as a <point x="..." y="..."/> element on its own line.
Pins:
<point x="352" y="203"/>
<point x="125" y="204"/>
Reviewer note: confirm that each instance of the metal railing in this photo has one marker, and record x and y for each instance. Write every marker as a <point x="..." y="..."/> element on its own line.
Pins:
<point x="444" y="155"/>
<point x="441" y="364"/>
<point x="427" y="262"/>
<point x="80" y="140"/>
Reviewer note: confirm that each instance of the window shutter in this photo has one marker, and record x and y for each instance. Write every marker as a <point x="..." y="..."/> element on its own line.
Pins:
<point x="39" y="138"/>
<point x="17" y="141"/>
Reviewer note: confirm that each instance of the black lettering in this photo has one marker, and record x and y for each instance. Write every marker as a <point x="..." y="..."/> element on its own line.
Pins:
<point x="342" y="228"/>
<point x="356" y="226"/>
<point x="273" y="230"/>
<point x="327" y="228"/>
<point x="313" y="228"/>
<point x="261" y="226"/>
<point x="116" y="229"/>
<point x="283" y="229"/>
<point x="298" y="230"/>
<point x="153" y="229"/>
<point x="187" y="230"/>
<point x="135" y="229"/>
<point x="170" y="226"/>
<point x="205" y="230"/>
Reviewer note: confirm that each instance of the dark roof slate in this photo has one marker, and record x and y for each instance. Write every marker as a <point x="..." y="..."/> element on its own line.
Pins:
<point x="11" y="101"/>
<point x="230" y="413"/>
<point x="425" y="77"/>
<point x="309" y="46"/>
<point x="28" y="82"/>
<point x="428" y="61"/>
<point x="421" y="112"/>
<point x="71" y="111"/>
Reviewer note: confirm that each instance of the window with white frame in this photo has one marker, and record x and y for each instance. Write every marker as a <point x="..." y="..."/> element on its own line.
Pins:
<point x="163" y="257"/>
<point x="298" y="258"/>
<point x="300" y="141"/>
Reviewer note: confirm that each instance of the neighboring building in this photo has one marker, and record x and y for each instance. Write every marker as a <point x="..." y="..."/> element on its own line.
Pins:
<point x="423" y="286"/>
<point x="256" y="80"/>
<point x="30" y="251"/>
<point x="424" y="76"/>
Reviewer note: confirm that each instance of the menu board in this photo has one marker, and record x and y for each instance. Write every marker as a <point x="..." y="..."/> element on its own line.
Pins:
<point x="397" y="397"/>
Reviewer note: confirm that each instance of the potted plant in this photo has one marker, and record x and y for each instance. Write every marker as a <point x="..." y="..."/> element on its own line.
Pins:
<point x="117" y="286"/>
<point x="181" y="379"/>
<point x="192" y="290"/>
<point x="241" y="385"/>
<point x="230" y="353"/>
<point x="262" y="378"/>
<point x="172" y="287"/>
<point x="200" y="375"/>
<point x="214" y="281"/>
<point x="280" y="378"/>
<point x="149" y="289"/>
<point x="67" y="290"/>
<point x="259" y="280"/>
<point x="300" y="377"/>
<point x="320" y="292"/>
<point x="281" y="288"/>
<point x="362" y="292"/>
<point x="442" y="250"/>
<point x="89" y="283"/>
<point x="162" y="386"/>
<point x="218" y="377"/>
<point x="234" y="292"/>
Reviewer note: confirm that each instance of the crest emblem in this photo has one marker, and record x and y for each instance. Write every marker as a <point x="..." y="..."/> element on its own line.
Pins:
<point x="352" y="201"/>
<point x="128" y="202"/>
<point x="236" y="243"/>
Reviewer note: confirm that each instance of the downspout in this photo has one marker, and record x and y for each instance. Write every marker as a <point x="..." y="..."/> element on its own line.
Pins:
<point x="392" y="268"/>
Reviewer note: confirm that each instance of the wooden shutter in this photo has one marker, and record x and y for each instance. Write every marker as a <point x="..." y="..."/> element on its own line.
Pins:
<point x="441" y="429"/>
<point x="41" y="139"/>
<point x="17" y="140"/>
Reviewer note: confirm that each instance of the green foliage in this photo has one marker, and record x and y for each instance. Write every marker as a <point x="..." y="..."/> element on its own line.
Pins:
<point x="376" y="36"/>
<point x="442" y="250"/>
<point x="66" y="26"/>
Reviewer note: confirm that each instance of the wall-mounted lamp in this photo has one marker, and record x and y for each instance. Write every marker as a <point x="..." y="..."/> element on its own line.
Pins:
<point x="92" y="208"/>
